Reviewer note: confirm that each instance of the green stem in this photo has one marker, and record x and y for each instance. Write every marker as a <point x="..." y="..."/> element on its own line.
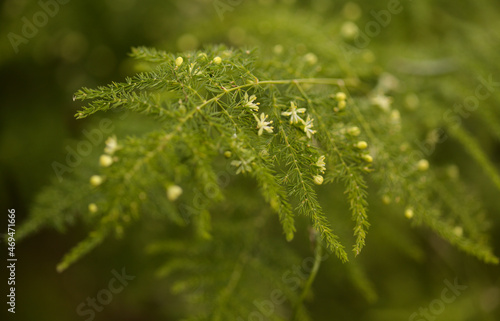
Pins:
<point x="318" y="253"/>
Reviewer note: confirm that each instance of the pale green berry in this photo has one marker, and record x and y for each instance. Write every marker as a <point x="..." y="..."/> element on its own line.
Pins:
<point x="105" y="160"/>
<point x="349" y="30"/>
<point x="311" y="58"/>
<point x="409" y="213"/>
<point x="179" y="61"/>
<point x="228" y="154"/>
<point x="278" y="49"/>
<point x="93" y="208"/>
<point x="340" y="96"/>
<point x="367" y="158"/>
<point x="353" y="131"/>
<point x="423" y="165"/>
<point x="96" y="180"/>
<point x="362" y="145"/>
<point x="318" y="179"/>
<point x="173" y="192"/>
<point x="217" y="60"/>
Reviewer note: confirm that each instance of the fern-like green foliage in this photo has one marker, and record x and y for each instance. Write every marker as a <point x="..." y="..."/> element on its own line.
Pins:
<point x="280" y="127"/>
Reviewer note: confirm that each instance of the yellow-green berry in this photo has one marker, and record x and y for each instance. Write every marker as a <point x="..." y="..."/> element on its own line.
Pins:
<point x="93" y="208"/>
<point x="311" y="58"/>
<point x="349" y="30"/>
<point x="423" y="165"/>
<point x="362" y="145"/>
<point x="367" y="158"/>
<point x="96" y="180"/>
<point x="217" y="60"/>
<point x="318" y="179"/>
<point x="409" y="213"/>
<point x="228" y="154"/>
<point x="340" y="96"/>
<point x="105" y="160"/>
<point x="173" y="192"/>
<point x="179" y="61"/>
<point x="353" y="131"/>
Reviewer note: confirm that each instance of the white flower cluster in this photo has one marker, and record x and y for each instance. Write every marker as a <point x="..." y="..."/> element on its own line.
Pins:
<point x="293" y="112"/>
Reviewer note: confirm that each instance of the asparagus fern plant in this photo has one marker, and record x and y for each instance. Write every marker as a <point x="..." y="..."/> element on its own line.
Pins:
<point x="289" y="128"/>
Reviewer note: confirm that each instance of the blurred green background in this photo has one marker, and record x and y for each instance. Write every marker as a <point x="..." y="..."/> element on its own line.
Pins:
<point x="85" y="43"/>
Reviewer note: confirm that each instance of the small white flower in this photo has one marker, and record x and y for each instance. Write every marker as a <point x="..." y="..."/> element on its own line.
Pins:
<point x="308" y="125"/>
<point x="262" y="124"/>
<point x="321" y="164"/>
<point x="292" y="112"/>
<point x="111" y="145"/>
<point x="382" y="101"/>
<point x="242" y="165"/>
<point x="248" y="102"/>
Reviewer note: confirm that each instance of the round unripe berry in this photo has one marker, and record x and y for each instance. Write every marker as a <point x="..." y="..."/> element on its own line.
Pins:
<point x="93" y="208"/>
<point x="179" y="61"/>
<point x="340" y="96"/>
<point x="409" y="213"/>
<point x="173" y="192"/>
<point x="217" y="60"/>
<point x="353" y="131"/>
<point x="96" y="180"/>
<point x="318" y="179"/>
<point x="362" y="145"/>
<point x="367" y="158"/>
<point x="311" y="58"/>
<point x="423" y="165"/>
<point x="105" y="160"/>
<point x="458" y="230"/>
